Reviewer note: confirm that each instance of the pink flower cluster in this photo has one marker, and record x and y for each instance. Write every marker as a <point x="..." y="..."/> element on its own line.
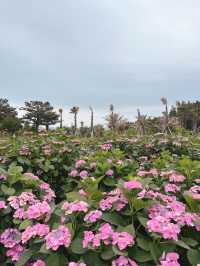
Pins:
<point x="49" y="194"/>
<point x="2" y="177"/>
<point x="39" y="263"/>
<point x="106" y="146"/>
<point x="80" y="163"/>
<point x="24" y="150"/>
<point x="106" y="234"/>
<point x="152" y="172"/>
<point x="93" y="216"/>
<point x="10" y="237"/>
<point x="38" y="211"/>
<point x="76" y="206"/>
<point x="76" y="264"/>
<point x="110" y="172"/>
<point x="2" y="204"/>
<point x="173" y="176"/>
<point x="32" y="176"/>
<point x="123" y="261"/>
<point x="40" y="230"/>
<point x="171" y="188"/>
<point x="83" y="174"/>
<point x="58" y="237"/>
<point x="73" y="173"/>
<point x="167" y="220"/>
<point x="133" y="184"/>
<point x="27" y="206"/>
<point x="169" y="259"/>
<point x="15" y="252"/>
<point x="195" y="192"/>
<point x="114" y="198"/>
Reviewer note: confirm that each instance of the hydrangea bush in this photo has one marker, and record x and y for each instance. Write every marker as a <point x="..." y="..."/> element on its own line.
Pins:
<point x="119" y="210"/>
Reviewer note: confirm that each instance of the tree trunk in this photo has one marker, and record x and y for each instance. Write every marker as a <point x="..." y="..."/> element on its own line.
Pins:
<point x="92" y="124"/>
<point x="75" y="123"/>
<point x="61" y="120"/>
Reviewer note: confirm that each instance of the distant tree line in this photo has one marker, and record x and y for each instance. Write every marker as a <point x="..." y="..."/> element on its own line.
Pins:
<point x="37" y="113"/>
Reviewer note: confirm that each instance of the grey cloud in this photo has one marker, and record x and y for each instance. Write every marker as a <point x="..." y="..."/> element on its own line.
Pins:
<point x="128" y="52"/>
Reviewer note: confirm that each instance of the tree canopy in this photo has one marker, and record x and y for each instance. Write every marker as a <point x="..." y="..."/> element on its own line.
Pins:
<point x="6" y="110"/>
<point x="40" y="113"/>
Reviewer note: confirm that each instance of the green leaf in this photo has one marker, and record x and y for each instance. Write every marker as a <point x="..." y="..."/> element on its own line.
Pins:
<point x="72" y="196"/>
<point x="44" y="250"/>
<point x="53" y="259"/>
<point x="143" y="243"/>
<point x="182" y="244"/>
<point x="140" y="255"/>
<point x="91" y="258"/>
<point x="109" y="181"/>
<point x="7" y="190"/>
<point x="14" y="173"/>
<point x="129" y="229"/>
<point x="24" y="258"/>
<point x="77" y="247"/>
<point x="155" y="252"/>
<point x="193" y="256"/>
<point x="107" y="254"/>
<point x="189" y="241"/>
<point x="25" y="224"/>
<point x="142" y="220"/>
<point x="113" y="218"/>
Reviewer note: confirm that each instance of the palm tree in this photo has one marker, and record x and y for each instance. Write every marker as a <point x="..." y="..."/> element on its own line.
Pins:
<point x="112" y="116"/>
<point x="61" y="113"/>
<point x="74" y="110"/>
<point x="91" y="122"/>
<point x="166" y="115"/>
<point x="141" y="121"/>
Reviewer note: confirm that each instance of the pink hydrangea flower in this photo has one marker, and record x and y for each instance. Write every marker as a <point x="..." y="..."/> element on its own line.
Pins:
<point x="82" y="192"/>
<point x="109" y="172"/>
<point x="39" y="263"/>
<point x="58" y="237"/>
<point x="2" y="204"/>
<point x="2" y="177"/>
<point x="88" y="238"/>
<point x="40" y="230"/>
<point x="106" y="146"/>
<point x="114" y="198"/>
<point x="80" y="163"/>
<point x="83" y="174"/>
<point x="133" y="184"/>
<point x="76" y="264"/>
<point x="15" y="252"/>
<point x="93" y="216"/>
<point x="38" y="210"/>
<point x="122" y="240"/>
<point x="76" y="206"/>
<point x="10" y="237"/>
<point x="171" y="188"/>
<point x="105" y="231"/>
<point x="73" y="173"/>
<point x="177" y="178"/>
<point x="169" y="259"/>
<point x="32" y="176"/>
<point x="123" y="261"/>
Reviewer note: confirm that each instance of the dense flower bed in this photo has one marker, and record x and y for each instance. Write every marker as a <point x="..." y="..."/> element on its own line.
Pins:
<point x="124" y="206"/>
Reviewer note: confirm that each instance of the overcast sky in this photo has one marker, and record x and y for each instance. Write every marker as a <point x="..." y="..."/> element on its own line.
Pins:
<point x="97" y="52"/>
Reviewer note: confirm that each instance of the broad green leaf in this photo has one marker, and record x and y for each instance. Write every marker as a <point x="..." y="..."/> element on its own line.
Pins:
<point x="193" y="256"/>
<point x="113" y="218"/>
<point x="24" y="258"/>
